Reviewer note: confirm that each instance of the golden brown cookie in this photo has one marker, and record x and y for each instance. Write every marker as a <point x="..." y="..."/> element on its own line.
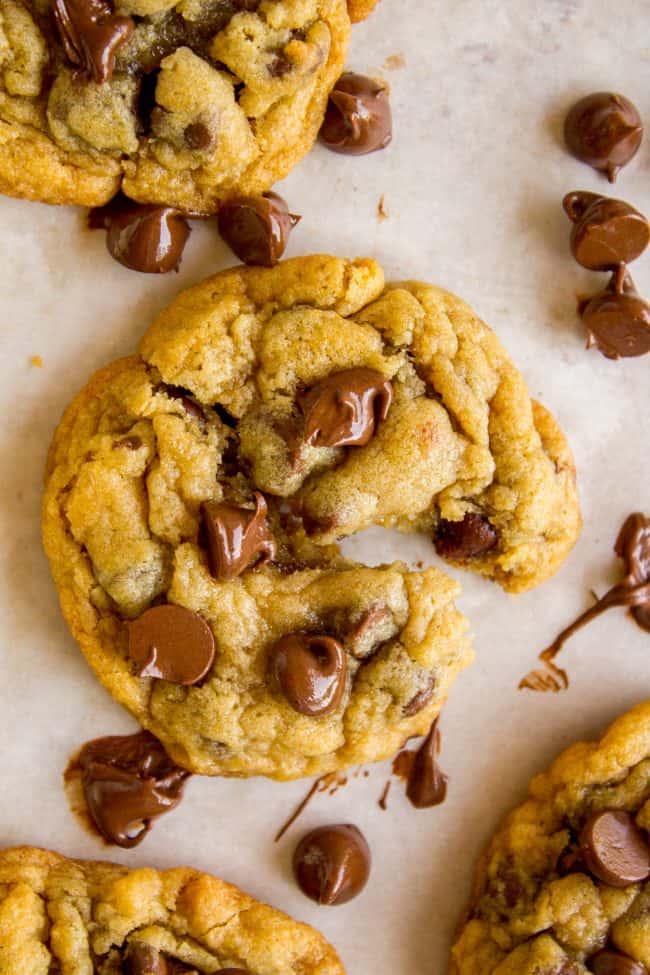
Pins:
<point x="563" y="886"/>
<point x="81" y="916"/>
<point x="360" y="9"/>
<point x="174" y="101"/>
<point x="270" y="413"/>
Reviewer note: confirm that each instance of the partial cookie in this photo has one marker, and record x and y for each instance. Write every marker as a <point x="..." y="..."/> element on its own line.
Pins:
<point x="270" y="413"/>
<point x="563" y="886"/>
<point x="81" y="916"/>
<point x="181" y="102"/>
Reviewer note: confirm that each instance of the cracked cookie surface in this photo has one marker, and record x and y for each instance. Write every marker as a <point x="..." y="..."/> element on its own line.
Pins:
<point x="182" y="103"/>
<point x="542" y="903"/>
<point x="215" y="410"/>
<point x="80" y="917"/>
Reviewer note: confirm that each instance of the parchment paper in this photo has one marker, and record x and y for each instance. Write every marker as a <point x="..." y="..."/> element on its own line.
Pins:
<point x="473" y="183"/>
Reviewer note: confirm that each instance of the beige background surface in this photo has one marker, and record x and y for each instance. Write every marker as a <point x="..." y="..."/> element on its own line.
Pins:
<point x="473" y="184"/>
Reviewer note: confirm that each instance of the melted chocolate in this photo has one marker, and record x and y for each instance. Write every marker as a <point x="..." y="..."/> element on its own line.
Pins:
<point x="343" y="409"/>
<point x="614" y="849"/>
<point x="618" y="319"/>
<point x="310" y="670"/>
<point x="605" y="131"/>
<point x="147" y="238"/>
<point x="91" y="35"/>
<point x="128" y="781"/>
<point x="605" y="232"/>
<point x="237" y="537"/>
<point x="358" y="118"/>
<point x="170" y="642"/>
<point x="633" y="547"/>
<point x="257" y="228"/>
<point x="332" y="864"/>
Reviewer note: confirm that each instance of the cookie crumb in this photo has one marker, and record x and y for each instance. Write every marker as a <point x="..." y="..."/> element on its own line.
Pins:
<point x="382" y="212"/>
<point x="36" y="362"/>
<point x="394" y="62"/>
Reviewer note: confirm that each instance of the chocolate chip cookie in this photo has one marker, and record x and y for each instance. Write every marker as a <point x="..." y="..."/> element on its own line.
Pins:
<point x="563" y="886"/>
<point x="181" y="102"/>
<point x="195" y="494"/>
<point x="80" y="916"/>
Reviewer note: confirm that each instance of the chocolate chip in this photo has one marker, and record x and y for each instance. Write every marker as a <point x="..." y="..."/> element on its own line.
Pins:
<point x="472" y="536"/>
<point x="256" y="228"/>
<point x="618" y="318"/>
<point x="332" y="864"/>
<point x="343" y="409"/>
<point x="614" y="848"/>
<point x="197" y="136"/>
<point x="280" y="66"/>
<point x="427" y="783"/>
<point x="171" y="643"/>
<point x="420" y="700"/>
<point x="310" y="670"/>
<point x="179" y="393"/>
<point x="225" y="416"/>
<point x="609" y="962"/>
<point x="605" y="232"/>
<point x="147" y="238"/>
<point x="142" y="959"/>
<point x="604" y="130"/>
<point x="91" y="35"/>
<point x="633" y="547"/>
<point x="237" y="537"/>
<point x="358" y="118"/>
<point x="128" y="780"/>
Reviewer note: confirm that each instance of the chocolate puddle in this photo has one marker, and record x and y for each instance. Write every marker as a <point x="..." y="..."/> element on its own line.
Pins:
<point x="633" y="592"/>
<point x="426" y="783"/>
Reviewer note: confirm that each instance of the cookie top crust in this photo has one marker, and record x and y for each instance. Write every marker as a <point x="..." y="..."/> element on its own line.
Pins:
<point x="82" y="916"/>
<point x="182" y="103"/>
<point x="269" y="414"/>
<point x="562" y="888"/>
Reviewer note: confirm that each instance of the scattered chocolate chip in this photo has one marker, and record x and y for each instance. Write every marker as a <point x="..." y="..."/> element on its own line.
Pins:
<point x="605" y="232"/>
<point x="237" y="537"/>
<point x="128" y="781"/>
<point x="614" y="848"/>
<point x="427" y="784"/>
<point x="358" y="119"/>
<point x="197" y="136"/>
<point x="171" y="643"/>
<point x="420" y="700"/>
<point x="311" y="672"/>
<point x="332" y="864"/>
<point x="91" y="35"/>
<point x="604" y="130"/>
<point x="142" y="959"/>
<point x="618" y="318"/>
<point x="343" y="409"/>
<point x="609" y="962"/>
<point x="142" y="237"/>
<point x="256" y="228"/>
<point x="468" y="538"/>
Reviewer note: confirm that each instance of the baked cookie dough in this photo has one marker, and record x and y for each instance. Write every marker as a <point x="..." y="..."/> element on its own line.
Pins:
<point x="182" y="102"/>
<point x="360" y="9"/>
<point x="269" y="414"/>
<point x="563" y="886"/>
<point x="82" y="916"/>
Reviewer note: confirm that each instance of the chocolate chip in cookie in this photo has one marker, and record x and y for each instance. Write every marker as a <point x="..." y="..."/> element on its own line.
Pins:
<point x="358" y="118"/>
<point x="237" y="537"/>
<point x="310" y="670"/>
<point x="471" y="536"/>
<point x="143" y="959"/>
<point x="609" y="962"/>
<point x="257" y="228"/>
<point x="614" y="848"/>
<point x="91" y="34"/>
<point x="343" y="409"/>
<point x="332" y="864"/>
<point x="171" y="643"/>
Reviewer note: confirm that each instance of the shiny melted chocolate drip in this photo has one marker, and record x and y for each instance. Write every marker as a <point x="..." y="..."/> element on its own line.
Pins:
<point x="633" y="547"/>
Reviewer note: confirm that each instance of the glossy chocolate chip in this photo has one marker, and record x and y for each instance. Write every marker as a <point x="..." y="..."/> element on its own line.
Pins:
<point x="605" y="232"/>
<point x="147" y="238"/>
<point x="128" y="781"/>
<point x="609" y="962"/>
<point x="257" y="228"/>
<point x="614" y="848"/>
<point x="237" y="537"/>
<point x="633" y="547"/>
<point x="427" y="783"/>
<point x="91" y="35"/>
<point x="343" y="409"/>
<point x="332" y="864"/>
<point x="468" y="538"/>
<point x="604" y="130"/>
<point x="618" y="318"/>
<point x="171" y="643"/>
<point x="358" y="119"/>
<point x="142" y="959"/>
<point x="310" y="670"/>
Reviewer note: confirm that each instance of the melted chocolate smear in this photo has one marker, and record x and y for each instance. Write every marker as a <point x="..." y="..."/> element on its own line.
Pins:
<point x="633" y="592"/>
<point x="426" y="783"/>
<point x="331" y="783"/>
<point x="119" y="784"/>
